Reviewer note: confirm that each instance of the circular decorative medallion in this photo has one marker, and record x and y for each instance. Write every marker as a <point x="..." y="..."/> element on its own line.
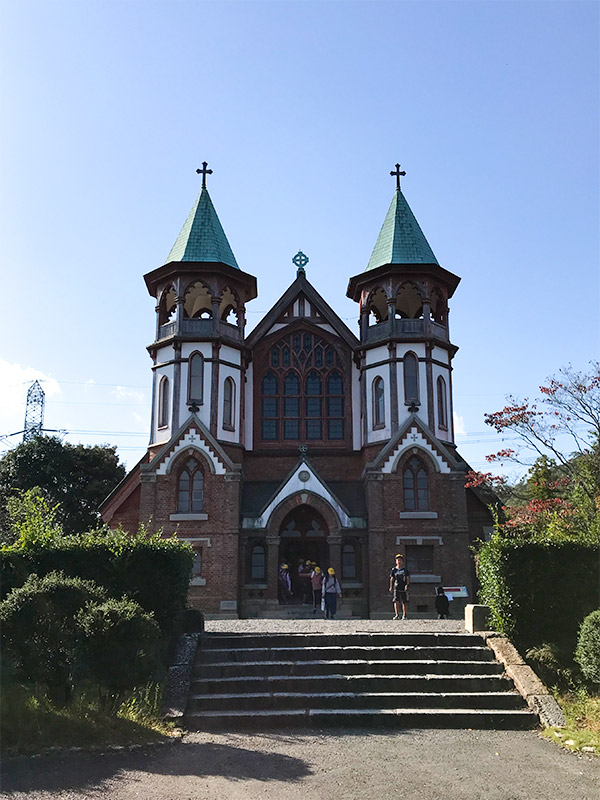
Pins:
<point x="304" y="475"/>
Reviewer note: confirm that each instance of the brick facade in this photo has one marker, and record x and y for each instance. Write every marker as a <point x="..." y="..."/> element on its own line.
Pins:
<point x="301" y="440"/>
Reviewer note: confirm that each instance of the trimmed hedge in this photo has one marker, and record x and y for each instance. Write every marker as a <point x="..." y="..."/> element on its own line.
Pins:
<point x="153" y="571"/>
<point x="39" y="631"/>
<point x="539" y="592"/>
<point x="587" y="653"/>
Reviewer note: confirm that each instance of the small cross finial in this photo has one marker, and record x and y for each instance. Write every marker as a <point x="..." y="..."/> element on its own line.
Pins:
<point x="204" y="172"/>
<point x="194" y="407"/>
<point x="303" y="450"/>
<point x="397" y="173"/>
<point x="300" y="260"/>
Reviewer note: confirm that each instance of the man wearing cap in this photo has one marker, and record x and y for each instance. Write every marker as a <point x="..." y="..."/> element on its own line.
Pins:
<point x="330" y="591"/>
<point x="399" y="580"/>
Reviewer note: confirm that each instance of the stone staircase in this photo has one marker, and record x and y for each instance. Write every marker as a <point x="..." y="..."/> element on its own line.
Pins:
<point x="403" y="680"/>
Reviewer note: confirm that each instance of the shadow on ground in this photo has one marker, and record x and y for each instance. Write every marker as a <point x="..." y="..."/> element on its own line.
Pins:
<point x="90" y="770"/>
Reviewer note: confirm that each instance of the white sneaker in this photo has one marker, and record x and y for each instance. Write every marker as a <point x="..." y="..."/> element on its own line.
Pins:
<point x="395" y="616"/>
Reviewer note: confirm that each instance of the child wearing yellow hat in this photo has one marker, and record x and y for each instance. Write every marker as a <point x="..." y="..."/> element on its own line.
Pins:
<point x="330" y="592"/>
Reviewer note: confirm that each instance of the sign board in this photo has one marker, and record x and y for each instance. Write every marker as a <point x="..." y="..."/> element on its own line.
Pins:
<point x="455" y="591"/>
<point x="228" y="605"/>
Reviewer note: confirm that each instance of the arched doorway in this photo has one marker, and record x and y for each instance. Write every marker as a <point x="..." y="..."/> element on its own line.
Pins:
<point x="303" y="537"/>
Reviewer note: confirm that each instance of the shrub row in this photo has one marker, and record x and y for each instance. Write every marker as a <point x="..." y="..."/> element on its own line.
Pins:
<point x="151" y="570"/>
<point x="60" y="631"/>
<point x="539" y="592"/>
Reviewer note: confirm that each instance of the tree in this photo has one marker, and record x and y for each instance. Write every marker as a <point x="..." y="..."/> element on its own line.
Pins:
<point x="74" y="477"/>
<point x="561" y="430"/>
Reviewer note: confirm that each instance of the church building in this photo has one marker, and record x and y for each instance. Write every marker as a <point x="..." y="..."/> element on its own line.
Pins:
<point x="302" y="441"/>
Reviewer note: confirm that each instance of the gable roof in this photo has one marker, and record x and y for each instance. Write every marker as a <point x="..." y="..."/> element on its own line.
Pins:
<point x="415" y="433"/>
<point x="202" y="237"/>
<point x="301" y="286"/>
<point x="186" y="438"/>
<point x="400" y="240"/>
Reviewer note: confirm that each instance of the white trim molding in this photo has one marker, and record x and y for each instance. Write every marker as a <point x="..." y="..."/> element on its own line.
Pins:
<point x="414" y="438"/>
<point x="419" y="539"/>
<point x="191" y="441"/>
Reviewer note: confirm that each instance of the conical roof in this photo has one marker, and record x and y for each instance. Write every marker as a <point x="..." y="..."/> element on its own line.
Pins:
<point x="202" y="237"/>
<point x="400" y="240"/>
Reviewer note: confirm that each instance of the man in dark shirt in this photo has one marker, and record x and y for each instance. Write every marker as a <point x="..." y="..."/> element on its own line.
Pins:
<point x="399" y="580"/>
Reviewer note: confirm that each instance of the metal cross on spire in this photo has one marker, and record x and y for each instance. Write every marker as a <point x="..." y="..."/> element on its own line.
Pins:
<point x="397" y="173"/>
<point x="204" y="172"/>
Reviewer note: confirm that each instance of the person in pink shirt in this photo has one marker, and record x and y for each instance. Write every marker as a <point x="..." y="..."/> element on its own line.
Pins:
<point x="316" y="579"/>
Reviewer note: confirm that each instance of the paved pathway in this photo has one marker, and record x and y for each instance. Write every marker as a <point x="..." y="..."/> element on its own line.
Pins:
<point x="356" y="765"/>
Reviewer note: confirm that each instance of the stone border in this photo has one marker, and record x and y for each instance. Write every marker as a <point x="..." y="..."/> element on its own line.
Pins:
<point x="12" y="755"/>
<point x="537" y="696"/>
<point x="179" y="678"/>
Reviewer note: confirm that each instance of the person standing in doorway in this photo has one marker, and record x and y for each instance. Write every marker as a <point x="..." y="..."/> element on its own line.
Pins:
<point x="399" y="580"/>
<point x="330" y="591"/>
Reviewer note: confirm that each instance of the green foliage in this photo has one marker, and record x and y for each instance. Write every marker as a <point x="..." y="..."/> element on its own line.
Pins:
<point x="39" y="631"/>
<point x="552" y="665"/>
<point x="538" y="591"/>
<point x="121" y="645"/>
<point x="33" y="520"/>
<point x="587" y="653"/>
<point x="75" y="477"/>
<point x="149" y="569"/>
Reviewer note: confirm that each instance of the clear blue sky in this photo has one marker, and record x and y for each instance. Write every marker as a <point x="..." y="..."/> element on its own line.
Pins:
<point x="301" y="109"/>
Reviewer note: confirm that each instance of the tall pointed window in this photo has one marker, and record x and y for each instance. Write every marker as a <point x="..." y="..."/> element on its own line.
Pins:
<point x="335" y="406"/>
<point x="441" y="403"/>
<point x="190" y="488"/>
<point x="411" y="379"/>
<point x="291" y="406"/>
<point x="196" y="379"/>
<point x="301" y="395"/>
<point x="378" y="403"/>
<point x="269" y="407"/>
<point x="314" y="406"/>
<point x="416" y="488"/>
<point x="163" y="402"/>
<point x="229" y="404"/>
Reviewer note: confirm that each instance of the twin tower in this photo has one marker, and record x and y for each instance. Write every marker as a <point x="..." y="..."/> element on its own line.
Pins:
<point x="302" y="441"/>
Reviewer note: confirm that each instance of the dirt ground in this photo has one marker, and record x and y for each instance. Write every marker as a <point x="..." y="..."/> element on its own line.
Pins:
<point x="332" y="765"/>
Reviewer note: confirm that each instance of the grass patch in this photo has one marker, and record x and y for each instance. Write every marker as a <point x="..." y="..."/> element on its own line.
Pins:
<point x="31" y="722"/>
<point x="582" y="712"/>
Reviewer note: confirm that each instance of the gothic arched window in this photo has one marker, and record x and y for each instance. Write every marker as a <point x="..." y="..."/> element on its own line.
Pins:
<point x="416" y="487"/>
<point x="163" y="402"/>
<point x="269" y="407"/>
<point x="190" y="488"/>
<point x="302" y="391"/>
<point x="229" y="404"/>
<point x="196" y="379"/>
<point x="411" y="379"/>
<point x="378" y="403"/>
<point x="442" y="403"/>
<point x="313" y="405"/>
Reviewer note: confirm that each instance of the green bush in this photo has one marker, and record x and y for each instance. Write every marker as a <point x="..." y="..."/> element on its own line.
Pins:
<point x="39" y="632"/>
<point x="538" y="592"/>
<point x="552" y="665"/>
<point x="587" y="653"/>
<point x="121" y="646"/>
<point x="151" y="570"/>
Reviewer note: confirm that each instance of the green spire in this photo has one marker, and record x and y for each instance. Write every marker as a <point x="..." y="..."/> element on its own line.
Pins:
<point x="202" y="237"/>
<point x="400" y="240"/>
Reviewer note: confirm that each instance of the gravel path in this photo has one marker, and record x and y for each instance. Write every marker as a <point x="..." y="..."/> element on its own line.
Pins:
<point x="335" y="626"/>
<point x="355" y="765"/>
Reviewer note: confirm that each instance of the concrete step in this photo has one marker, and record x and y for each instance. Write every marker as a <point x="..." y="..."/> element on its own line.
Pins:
<point x="244" y="640"/>
<point x="351" y="700"/>
<point x="364" y="718"/>
<point x="352" y="683"/>
<point x="354" y="667"/>
<point x="394" y="653"/>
